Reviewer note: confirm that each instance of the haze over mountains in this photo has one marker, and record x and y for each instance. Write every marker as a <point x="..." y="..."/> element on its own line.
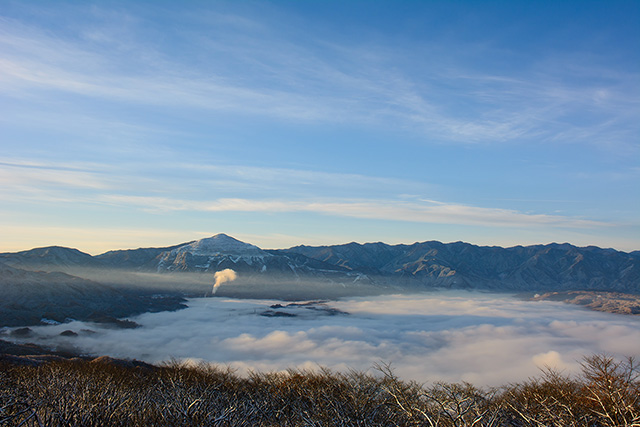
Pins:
<point x="57" y="282"/>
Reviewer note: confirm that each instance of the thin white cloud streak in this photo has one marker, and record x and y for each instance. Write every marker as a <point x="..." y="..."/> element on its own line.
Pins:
<point x="29" y="175"/>
<point x="261" y="180"/>
<point x="393" y="210"/>
<point x="60" y="184"/>
<point x="129" y="178"/>
<point x="93" y="184"/>
<point x="486" y="339"/>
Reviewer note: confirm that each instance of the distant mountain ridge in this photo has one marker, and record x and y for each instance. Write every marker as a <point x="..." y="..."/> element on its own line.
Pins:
<point x="463" y="265"/>
<point x="58" y="283"/>
<point x="429" y="264"/>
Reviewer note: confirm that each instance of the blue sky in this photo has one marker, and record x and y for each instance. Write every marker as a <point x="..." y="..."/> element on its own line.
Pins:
<point x="131" y="124"/>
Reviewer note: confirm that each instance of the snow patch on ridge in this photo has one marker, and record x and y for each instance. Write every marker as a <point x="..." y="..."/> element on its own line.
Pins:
<point x="220" y="244"/>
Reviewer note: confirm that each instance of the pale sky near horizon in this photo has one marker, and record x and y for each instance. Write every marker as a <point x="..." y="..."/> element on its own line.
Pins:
<point x="133" y="124"/>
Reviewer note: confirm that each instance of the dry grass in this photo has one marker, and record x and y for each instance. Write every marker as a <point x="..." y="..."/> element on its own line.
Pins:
<point x="81" y="393"/>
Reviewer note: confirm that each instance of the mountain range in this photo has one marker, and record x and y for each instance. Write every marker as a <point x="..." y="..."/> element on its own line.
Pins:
<point x="65" y="283"/>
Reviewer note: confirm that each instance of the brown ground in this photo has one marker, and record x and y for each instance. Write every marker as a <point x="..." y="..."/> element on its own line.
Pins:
<point x="611" y="302"/>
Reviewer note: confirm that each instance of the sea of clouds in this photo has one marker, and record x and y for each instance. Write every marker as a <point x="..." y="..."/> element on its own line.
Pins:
<point x="486" y="339"/>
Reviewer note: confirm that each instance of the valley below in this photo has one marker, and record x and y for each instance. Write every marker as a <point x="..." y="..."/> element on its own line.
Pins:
<point x="454" y="335"/>
<point x="57" y="283"/>
<point x="450" y="312"/>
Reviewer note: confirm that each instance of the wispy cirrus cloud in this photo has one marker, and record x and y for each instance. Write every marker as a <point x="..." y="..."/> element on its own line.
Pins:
<point x="137" y="177"/>
<point x="118" y="186"/>
<point x="27" y="175"/>
<point x="256" y="71"/>
<point x="390" y="210"/>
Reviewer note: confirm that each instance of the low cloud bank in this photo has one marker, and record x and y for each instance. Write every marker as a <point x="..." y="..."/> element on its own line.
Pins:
<point x="486" y="339"/>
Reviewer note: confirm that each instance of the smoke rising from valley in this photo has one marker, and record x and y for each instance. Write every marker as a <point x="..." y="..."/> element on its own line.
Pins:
<point x="223" y="276"/>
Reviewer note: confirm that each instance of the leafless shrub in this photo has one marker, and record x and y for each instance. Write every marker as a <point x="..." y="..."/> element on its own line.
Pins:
<point x="553" y="400"/>
<point x="612" y="390"/>
<point x="442" y="404"/>
<point x="606" y="394"/>
<point x="81" y="393"/>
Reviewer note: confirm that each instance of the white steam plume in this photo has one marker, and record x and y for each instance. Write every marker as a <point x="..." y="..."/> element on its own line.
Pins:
<point x="222" y="276"/>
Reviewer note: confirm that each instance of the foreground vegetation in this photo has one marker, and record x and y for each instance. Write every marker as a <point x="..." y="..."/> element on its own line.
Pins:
<point x="105" y="392"/>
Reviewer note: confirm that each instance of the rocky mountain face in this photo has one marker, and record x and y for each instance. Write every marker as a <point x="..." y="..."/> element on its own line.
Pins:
<point x="220" y="252"/>
<point x="462" y="265"/>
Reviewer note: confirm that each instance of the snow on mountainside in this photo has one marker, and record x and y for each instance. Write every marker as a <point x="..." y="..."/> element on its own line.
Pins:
<point x="462" y="265"/>
<point x="212" y="253"/>
<point x="221" y="251"/>
<point x="220" y="244"/>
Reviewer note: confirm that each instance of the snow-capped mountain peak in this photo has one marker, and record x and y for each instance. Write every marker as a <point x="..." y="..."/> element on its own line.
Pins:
<point x="219" y="244"/>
